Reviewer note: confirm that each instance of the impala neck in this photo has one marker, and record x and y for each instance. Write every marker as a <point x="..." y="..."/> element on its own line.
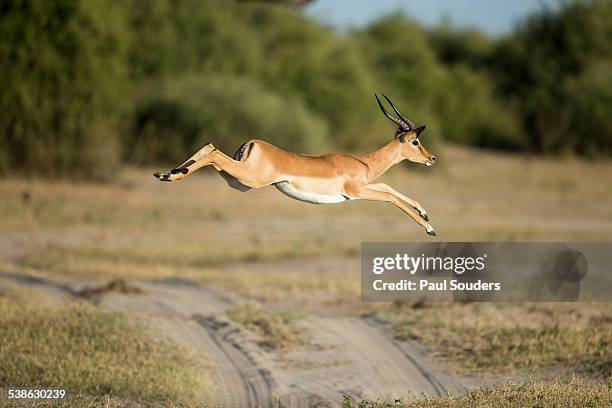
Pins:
<point x="382" y="159"/>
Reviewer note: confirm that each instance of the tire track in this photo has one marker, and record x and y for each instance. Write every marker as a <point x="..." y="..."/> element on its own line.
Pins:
<point x="351" y="356"/>
<point x="341" y="356"/>
<point x="395" y="375"/>
<point x="256" y="381"/>
<point x="179" y="311"/>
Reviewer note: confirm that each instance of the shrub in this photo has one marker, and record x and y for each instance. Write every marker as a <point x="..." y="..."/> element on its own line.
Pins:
<point x="178" y="119"/>
<point x="588" y="127"/>
<point x="540" y="66"/>
<point x="470" y="114"/>
<point x="328" y="72"/>
<point x="60" y="77"/>
<point x="179" y="36"/>
<point x="461" y="46"/>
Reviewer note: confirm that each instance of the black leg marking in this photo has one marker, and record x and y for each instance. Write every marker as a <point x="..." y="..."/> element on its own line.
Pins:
<point x="183" y="167"/>
<point x="425" y="217"/>
<point x="187" y="163"/>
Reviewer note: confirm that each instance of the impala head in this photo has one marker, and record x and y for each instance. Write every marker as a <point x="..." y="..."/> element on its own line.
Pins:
<point x="408" y="134"/>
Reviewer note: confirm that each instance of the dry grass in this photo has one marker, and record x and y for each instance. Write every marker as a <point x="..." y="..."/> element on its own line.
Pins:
<point x="106" y="401"/>
<point x="90" y="351"/>
<point x="489" y="337"/>
<point x="200" y="229"/>
<point x="267" y="247"/>
<point x="274" y="329"/>
<point x="570" y="394"/>
<point x="470" y="195"/>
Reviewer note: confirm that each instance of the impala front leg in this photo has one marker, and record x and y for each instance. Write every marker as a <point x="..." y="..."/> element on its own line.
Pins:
<point x="388" y="189"/>
<point x="195" y="162"/>
<point x="368" y="193"/>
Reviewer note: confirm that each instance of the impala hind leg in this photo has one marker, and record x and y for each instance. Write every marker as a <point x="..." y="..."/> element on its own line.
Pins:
<point x="368" y="193"/>
<point x="242" y="171"/>
<point x="187" y="167"/>
<point x="388" y="189"/>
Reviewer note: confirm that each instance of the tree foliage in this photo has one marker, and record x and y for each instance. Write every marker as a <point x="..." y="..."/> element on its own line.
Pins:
<point x="541" y="66"/>
<point x="184" y="114"/>
<point x="63" y="79"/>
<point x="153" y="79"/>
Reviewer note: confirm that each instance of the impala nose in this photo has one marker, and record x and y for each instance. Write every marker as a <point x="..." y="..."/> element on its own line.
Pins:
<point x="433" y="158"/>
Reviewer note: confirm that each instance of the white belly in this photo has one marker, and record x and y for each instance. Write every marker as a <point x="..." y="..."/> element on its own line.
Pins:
<point x="315" y="198"/>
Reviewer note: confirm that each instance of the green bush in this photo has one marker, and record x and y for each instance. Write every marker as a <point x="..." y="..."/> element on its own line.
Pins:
<point x="166" y="75"/>
<point x="540" y="66"/>
<point x="62" y="80"/>
<point x="276" y="46"/>
<point x="398" y="51"/>
<point x="172" y="37"/>
<point x="328" y="72"/>
<point x="185" y="114"/>
<point x="461" y="46"/>
<point x="588" y="127"/>
<point x="449" y="100"/>
<point x="470" y="114"/>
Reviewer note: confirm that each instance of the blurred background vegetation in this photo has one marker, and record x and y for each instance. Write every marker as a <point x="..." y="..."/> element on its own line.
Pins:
<point x="90" y="85"/>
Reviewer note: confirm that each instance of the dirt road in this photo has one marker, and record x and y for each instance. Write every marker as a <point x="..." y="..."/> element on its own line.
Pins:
<point x="341" y="355"/>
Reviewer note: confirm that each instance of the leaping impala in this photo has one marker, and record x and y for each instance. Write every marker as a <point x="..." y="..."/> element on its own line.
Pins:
<point x="326" y="179"/>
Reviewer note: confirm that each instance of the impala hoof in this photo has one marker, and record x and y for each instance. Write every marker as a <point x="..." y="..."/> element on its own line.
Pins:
<point x="161" y="176"/>
<point x="431" y="232"/>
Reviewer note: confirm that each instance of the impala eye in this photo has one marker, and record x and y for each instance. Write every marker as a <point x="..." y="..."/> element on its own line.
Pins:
<point x="415" y="142"/>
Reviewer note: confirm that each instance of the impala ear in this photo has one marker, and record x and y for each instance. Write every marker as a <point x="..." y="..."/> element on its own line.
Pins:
<point x="401" y="135"/>
<point x="419" y="130"/>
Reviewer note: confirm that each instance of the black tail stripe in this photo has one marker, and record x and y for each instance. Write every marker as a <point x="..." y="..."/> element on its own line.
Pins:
<point x="239" y="152"/>
<point x="249" y="151"/>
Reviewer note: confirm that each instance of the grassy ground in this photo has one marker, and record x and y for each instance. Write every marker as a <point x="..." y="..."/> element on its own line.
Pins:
<point x="89" y="351"/>
<point x="515" y="337"/>
<point x="106" y="401"/>
<point x="271" y="249"/>
<point x="274" y="328"/>
<point x="200" y="229"/>
<point x="574" y="393"/>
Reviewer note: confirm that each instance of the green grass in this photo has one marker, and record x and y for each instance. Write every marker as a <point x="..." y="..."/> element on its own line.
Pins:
<point x="569" y="394"/>
<point x="91" y="351"/>
<point x="511" y="337"/>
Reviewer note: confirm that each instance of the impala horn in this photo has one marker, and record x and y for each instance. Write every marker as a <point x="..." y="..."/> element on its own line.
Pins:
<point x="404" y="124"/>
<point x="398" y="113"/>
